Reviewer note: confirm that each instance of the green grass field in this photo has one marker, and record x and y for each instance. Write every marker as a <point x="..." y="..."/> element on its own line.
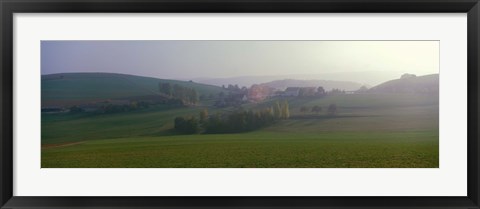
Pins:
<point x="261" y="149"/>
<point x="78" y="88"/>
<point x="370" y="131"/>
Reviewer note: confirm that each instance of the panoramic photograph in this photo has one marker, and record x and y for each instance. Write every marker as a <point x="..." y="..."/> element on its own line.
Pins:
<point x="239" y="104"/>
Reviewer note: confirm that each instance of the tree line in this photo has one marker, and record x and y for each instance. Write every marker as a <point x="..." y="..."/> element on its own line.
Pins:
<point x="109" y="108"/>
<point x="175" y="91"/>
<point x="236" y="122"/>
<point x="331" y="110"/>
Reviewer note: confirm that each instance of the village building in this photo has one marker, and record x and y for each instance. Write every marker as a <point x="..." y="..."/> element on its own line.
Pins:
<point x="291" y="92"/>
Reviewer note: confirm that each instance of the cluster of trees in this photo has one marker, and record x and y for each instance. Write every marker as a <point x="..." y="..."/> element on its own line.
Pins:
<point x="75" y="109"/>
<point x="234" y="97"/>
<point x="187" y="125"/>
<point x="311" y="91"/>
<point x="281" y="110"/>
<point x="185" y="94"/>
<point x="302" y="92"/>
<point x="52" y="109"/>
<point x="230" y="100"/>
<point x="316" y="109"/>
<point x="234" y="88"/>
<point x="337" y="91"/>
<point x="236" y="122"/>
<point x="315" y="91"/>
<point x="321" y="90"/>
<point x="112" y="108"/>
<point x="239" y="121"/>
<point x="332" y="109"/>
<point x="307" y="92"/>
<point x="408" y="75"/>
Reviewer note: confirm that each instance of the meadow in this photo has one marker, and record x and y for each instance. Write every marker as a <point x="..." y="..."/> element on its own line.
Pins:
<point x="369" y="131"/>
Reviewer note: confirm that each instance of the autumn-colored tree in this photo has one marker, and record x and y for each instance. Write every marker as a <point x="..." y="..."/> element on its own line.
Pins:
<point x="203" y="115"/>
<point x="285" y="110"/>
<point x="277" y="110"/>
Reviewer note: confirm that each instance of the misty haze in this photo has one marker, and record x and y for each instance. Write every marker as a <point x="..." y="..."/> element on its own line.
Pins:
<point x="239" y="104"/>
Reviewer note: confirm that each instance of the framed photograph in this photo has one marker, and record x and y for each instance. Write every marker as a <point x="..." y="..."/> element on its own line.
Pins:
<point x="239" y="104"/>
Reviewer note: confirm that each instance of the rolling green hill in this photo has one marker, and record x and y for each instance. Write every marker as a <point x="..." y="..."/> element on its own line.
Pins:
<point x="74" y="88"/>
<point x="370" y="131"/>
<point x="328" y="85"/>
<point x="409" y="84"/>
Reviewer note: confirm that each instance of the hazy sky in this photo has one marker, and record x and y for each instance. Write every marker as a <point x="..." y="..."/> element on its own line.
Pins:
<point x="213" y="59"/>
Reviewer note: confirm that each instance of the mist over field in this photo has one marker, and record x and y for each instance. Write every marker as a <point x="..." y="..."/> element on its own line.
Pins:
<point x="239" y="104"/>
<point x="364" y="62"/>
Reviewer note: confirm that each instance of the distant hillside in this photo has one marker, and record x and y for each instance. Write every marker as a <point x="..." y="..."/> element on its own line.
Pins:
<point x="369" y="78"/>
<point x="409" y="84"/>
<point x="71" y="88"/>
<point x="327" y="85"/>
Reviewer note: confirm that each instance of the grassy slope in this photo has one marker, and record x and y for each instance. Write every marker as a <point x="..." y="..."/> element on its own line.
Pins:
<point x="414" y="84"/>
<point x="82" y="127"/>
<point x="370" y="131"/>
<point x="252" y="150"/>
<point x="72" y="88"/>
<point x="154" y="121"/>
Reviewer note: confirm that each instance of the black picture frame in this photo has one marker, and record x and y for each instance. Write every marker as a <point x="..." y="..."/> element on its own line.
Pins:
<point x="9" y="7"/>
